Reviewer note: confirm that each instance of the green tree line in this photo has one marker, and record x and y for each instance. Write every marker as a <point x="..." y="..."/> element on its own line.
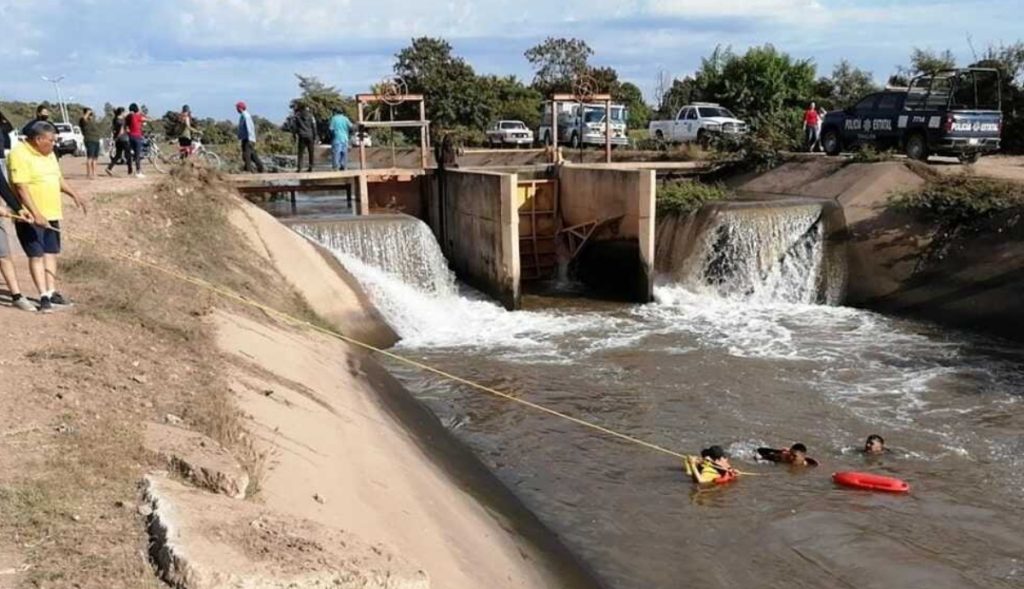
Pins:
<point x="764" y="85"/>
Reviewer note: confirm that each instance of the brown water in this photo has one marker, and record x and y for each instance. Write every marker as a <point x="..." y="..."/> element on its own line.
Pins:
<point x="694" y="369"/>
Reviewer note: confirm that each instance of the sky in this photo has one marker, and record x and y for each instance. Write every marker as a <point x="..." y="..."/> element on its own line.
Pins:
<point x="212" y="53"/>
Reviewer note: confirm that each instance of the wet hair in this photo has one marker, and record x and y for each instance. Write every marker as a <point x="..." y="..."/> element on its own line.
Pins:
<point x="39" y="128"/>
<point x="133" y="107"/>
<point x="872" y="439"/>
<point x="798" y="447"/>
<point x="715" y="452"/>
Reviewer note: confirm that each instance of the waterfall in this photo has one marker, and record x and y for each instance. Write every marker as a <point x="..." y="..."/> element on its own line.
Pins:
<point x="398" y="263"/>
<point x="768" y="252"/>
<point x="398" y="245"/>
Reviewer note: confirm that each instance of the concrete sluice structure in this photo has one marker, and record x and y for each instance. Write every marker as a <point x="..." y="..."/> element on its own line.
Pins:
<point x="500" y="230"/>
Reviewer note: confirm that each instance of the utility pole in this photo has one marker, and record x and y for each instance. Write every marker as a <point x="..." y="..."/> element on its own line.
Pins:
<point x="60" y="99"/>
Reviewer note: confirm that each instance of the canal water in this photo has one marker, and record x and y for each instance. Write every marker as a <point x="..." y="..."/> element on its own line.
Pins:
<point x="734" y="352"/>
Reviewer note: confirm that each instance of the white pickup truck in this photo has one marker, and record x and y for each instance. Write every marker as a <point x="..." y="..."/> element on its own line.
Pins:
<point x="700" y="122"/>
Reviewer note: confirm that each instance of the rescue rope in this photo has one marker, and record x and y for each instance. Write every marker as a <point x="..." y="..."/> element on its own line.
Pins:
<point x="228" y="294"/>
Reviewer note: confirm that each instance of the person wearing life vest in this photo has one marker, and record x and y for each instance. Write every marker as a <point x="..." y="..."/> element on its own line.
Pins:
<point x="712" y="467"/>
<point x="795" y="455"/>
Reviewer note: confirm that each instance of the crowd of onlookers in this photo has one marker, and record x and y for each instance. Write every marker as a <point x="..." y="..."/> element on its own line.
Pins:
<point x="32" y="184"/>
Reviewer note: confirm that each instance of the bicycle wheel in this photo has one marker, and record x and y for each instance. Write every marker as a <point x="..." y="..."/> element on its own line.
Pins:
<point x="210" y="159"/>
<point x="157" y="159"/>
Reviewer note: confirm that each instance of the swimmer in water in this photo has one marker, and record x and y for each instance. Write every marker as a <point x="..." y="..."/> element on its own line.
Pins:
<point x="712" y="467"/>
<point x="875" y="445"/>
<point x="796" y="455"/>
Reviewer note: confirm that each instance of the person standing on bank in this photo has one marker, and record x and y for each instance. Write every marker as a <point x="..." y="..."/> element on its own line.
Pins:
<point x="185" y="138"/>
<point x="304" y="127"/>
<point x="341" y="128"/>
<point x="42" y="114"/>
<point x="38" y="183"/>
<point x="811" y="127"/>
<point x="133" y="124"/>
<point x="122" y="148"/>
<point x="91" y="136"/>
<point x="10" y="208"/>
<point x="247" y="136"/>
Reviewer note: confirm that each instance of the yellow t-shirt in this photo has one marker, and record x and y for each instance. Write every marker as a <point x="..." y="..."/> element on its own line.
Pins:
<point x="41" y="175"/>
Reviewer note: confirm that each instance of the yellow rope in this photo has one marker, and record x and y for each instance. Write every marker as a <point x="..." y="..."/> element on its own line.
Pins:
<point x="296" y="321"/>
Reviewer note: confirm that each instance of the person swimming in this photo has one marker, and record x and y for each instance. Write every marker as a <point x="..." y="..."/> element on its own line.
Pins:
<point x="795" y="455"/>
<point x="711" y="467"/>
<point x="875" y="445"/>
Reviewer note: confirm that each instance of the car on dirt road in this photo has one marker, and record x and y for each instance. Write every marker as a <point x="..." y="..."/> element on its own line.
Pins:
<point x="509" y="133"/>
<point x="700" y="122"/>
<point x="69" y="140"/>
<point x="950" y="113"/>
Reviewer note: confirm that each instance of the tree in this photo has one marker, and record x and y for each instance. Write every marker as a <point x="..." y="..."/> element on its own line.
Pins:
<point x="923" y="61"/>
<point x="630" y="95"/>
<point x="846" y="85"/>
<point x="757" y="85"/>
<point x="322" y="101"/>
<point x="558" y="62"/>
<point x="508" y="98"/>
<point x="449" y="84"/>
<point x="676" y="96"/>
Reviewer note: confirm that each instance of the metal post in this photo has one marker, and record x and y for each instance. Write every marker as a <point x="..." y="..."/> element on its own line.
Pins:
<point x="362" y="140"/>
<point x="608" y="131"/>
<point x="423" y="134"/>
<point x="554" y="131"/>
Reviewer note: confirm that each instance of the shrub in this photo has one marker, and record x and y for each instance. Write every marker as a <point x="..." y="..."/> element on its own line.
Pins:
<point x="685" y="196"/>
<point x="959" y="199"/>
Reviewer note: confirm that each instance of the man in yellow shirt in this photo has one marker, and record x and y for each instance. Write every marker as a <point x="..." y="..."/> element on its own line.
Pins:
<point x="38" y="182"/>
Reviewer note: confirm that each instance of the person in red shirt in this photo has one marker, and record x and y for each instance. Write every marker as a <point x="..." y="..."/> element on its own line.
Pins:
<point x="811" y="127"/>
<point x="133" y="123"/>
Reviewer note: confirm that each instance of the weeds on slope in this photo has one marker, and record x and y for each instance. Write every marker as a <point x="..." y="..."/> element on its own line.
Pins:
<point x="686" y="196"/>
<point x="959" y="199"/>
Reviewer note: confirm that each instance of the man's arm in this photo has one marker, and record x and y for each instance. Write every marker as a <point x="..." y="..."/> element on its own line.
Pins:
<point x="26" y="201"/>
<point x="66" y="189"/>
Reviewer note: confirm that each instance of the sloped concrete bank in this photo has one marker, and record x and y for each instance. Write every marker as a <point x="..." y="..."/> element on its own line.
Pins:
<point x="363" y="487"/>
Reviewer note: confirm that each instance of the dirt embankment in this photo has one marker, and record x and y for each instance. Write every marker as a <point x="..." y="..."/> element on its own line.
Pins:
<point x="902" y="265"/>
<point x="131" y="423"/>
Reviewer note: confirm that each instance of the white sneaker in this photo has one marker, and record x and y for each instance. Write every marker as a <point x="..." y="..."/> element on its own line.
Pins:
<point x="24" y="304"/>
<point x="140" y="175"/>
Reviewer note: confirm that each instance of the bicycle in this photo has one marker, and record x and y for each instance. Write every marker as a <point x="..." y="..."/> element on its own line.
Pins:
<point x="150" y="152"/>
<point x="199" y="152"/>
<point x="162" y="159"/>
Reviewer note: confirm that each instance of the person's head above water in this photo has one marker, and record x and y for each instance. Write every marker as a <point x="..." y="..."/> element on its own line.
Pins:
<point x="874" y="444"/>
<point x="717" y="455"/>
<point x="798" y="454"/>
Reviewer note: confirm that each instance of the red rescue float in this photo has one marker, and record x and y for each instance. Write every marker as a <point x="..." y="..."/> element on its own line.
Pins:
<point x="870" y="482"/>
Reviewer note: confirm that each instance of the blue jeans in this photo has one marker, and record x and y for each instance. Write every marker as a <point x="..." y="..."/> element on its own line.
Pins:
<point x="339" y="155"/>
<point x="138" y="146"/>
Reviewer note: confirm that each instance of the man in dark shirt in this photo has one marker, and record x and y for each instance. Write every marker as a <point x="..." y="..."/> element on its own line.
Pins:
<point x="42" y="114"/>
<point x="304" y="127"/>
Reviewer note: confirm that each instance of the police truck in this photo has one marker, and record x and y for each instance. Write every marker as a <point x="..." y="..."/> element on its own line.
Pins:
<point x="950" y="113"/>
